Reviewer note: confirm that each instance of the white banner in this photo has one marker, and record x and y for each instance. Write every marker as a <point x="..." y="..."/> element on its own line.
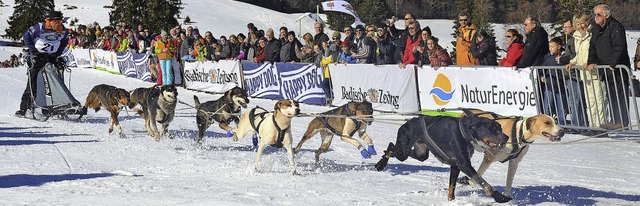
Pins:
<point x="502" y="90"/>
<point x="217" y="77"/>
<point x="105" y="60"/>
<point x="82" y="57"/>
<point x="387" y="87"/>
<point x="343" y="7"/>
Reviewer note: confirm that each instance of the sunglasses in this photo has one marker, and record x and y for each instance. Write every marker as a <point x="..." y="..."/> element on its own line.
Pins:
<point x="371" y="30"/>
<point x="358" y="30"/>
<point x="599" y="15"/>
<point x="335" y="38"/>
<point x="508" y="36"/>
<point x="408" y="18"/>
<point x="463" y="20"/>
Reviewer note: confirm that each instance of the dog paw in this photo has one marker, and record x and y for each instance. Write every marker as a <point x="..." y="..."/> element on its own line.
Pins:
<point x="372" y="150"/>
<point x="110" y="130"/>
<point x="500" y="198"/>
<point x="254" y="140"/>
<point x="122" y="135"/>
<point x="464" y="180"/>
<point x="365" y="154"/>
<point x="382" y="164"/>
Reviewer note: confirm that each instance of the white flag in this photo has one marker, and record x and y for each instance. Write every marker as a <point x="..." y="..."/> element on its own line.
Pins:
<point x="344" y="7"/>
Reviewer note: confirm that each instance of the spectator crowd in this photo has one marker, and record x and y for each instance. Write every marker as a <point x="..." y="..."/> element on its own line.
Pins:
<point x="586" y="42"/>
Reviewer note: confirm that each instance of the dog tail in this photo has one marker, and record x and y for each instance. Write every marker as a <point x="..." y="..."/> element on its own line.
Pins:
<point x="197" y="102"/>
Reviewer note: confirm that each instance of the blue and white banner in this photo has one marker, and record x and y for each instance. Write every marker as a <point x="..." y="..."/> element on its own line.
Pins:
<point x="216" y="77"/>
<point x="261" y="80"/>
<point x="300" y="82"/>
<point x="387" y="87"/>
<point x="71" y="61"/>
<point x="134" y="65"/>
<point x="497" y="89"/>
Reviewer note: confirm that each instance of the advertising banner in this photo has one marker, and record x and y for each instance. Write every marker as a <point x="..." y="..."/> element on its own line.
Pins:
<point x="498" y="89"/>
<point x="216" y="77"/>
<point x="105" y="60"/>
<point x="134" y="65"/>
<point x="387" y="87"/>
<point x="300" y="82"/>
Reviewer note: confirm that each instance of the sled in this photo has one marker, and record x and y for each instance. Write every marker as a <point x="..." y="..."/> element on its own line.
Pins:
<point x="52" y="97"/>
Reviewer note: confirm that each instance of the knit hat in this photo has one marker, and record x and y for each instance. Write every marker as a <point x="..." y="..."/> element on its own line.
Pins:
<point x="336" y="34"/>
<point x="55" y="15"/>
<point x="345" y="43"/>
<point x="195" y="32"/>
<point x="163" y="33"/>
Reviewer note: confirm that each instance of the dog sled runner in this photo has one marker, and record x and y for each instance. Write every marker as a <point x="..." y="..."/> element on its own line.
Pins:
<point x="52" y="98"/>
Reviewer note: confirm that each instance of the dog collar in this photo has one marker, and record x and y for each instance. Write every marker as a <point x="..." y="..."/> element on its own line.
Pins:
<point x="478" y="145"/>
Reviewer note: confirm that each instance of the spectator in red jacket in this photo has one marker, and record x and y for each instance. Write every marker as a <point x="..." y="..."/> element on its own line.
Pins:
<point x="514" y="52"/>
<point x="411" y="42"/>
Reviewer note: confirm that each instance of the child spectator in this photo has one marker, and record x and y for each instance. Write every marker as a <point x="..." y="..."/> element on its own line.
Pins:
<point x="345" y="55"/>
<point x="553" y="81"/>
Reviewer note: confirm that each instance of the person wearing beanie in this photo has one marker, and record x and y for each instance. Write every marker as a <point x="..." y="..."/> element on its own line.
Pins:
<point x="163" y="50"/>
<point x="336" y="34"/>
<point x="45" y="42"/>
<point x="333" y="48"/>
<point x="345" y="55"/>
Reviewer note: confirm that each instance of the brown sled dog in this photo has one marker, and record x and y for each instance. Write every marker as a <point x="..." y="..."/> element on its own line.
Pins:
<point x="110" y="98"/>
<point x="359" y="116"/>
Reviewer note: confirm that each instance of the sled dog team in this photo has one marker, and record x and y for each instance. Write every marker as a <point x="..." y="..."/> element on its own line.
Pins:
<point x="452" y="140"/>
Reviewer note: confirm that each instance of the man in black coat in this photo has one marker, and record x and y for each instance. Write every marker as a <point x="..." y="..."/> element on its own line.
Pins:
<point x="272" y="50"/>
<point x="537" y="44"/>
<point x="608" y="46"/>
<point x="320" y="35"/>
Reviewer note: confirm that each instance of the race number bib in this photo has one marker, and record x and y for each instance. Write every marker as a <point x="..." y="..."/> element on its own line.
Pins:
<point x="49" y="42"/>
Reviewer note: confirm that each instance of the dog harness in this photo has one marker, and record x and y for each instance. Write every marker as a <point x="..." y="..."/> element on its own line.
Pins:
<point x="515" y="145"/>
<point x="432" y="144"/>
<point x="324" y="122"/>
<point x="281" y="132"/>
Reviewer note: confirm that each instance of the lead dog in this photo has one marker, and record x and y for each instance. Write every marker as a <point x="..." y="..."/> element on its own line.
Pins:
<point x="343" y="121"/>
<point x="110" y="98"/>
<point x="452" y="141"/>
<point x="220" y="110"/>
<point x="160" y="107"/>
<point x="273" y="128"/>
<point x="521" y="133"/>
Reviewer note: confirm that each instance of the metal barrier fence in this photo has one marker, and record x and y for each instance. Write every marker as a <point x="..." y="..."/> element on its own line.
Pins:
<point x="601" y="99"/>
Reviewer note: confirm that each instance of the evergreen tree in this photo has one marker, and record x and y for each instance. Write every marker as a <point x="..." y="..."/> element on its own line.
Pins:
<point x="337" y="20"/>
<point x="156" y="14"/>
<point x="566" y="9"/>
<point x="482" y="15"/>
<point x="372" y="12"/>
<point x="127" y="11"/>
<point x="187" y="20"/>
<point x="27" y="13"/>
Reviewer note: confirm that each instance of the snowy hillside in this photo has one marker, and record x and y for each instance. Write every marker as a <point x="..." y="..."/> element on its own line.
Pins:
<point x="77" y="163"/>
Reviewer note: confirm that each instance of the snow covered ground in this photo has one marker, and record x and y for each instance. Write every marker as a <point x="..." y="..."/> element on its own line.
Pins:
<point x="77" y="163"/>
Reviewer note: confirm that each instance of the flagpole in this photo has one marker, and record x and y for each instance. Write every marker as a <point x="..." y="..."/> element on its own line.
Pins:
<point x="318" y="12"/>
